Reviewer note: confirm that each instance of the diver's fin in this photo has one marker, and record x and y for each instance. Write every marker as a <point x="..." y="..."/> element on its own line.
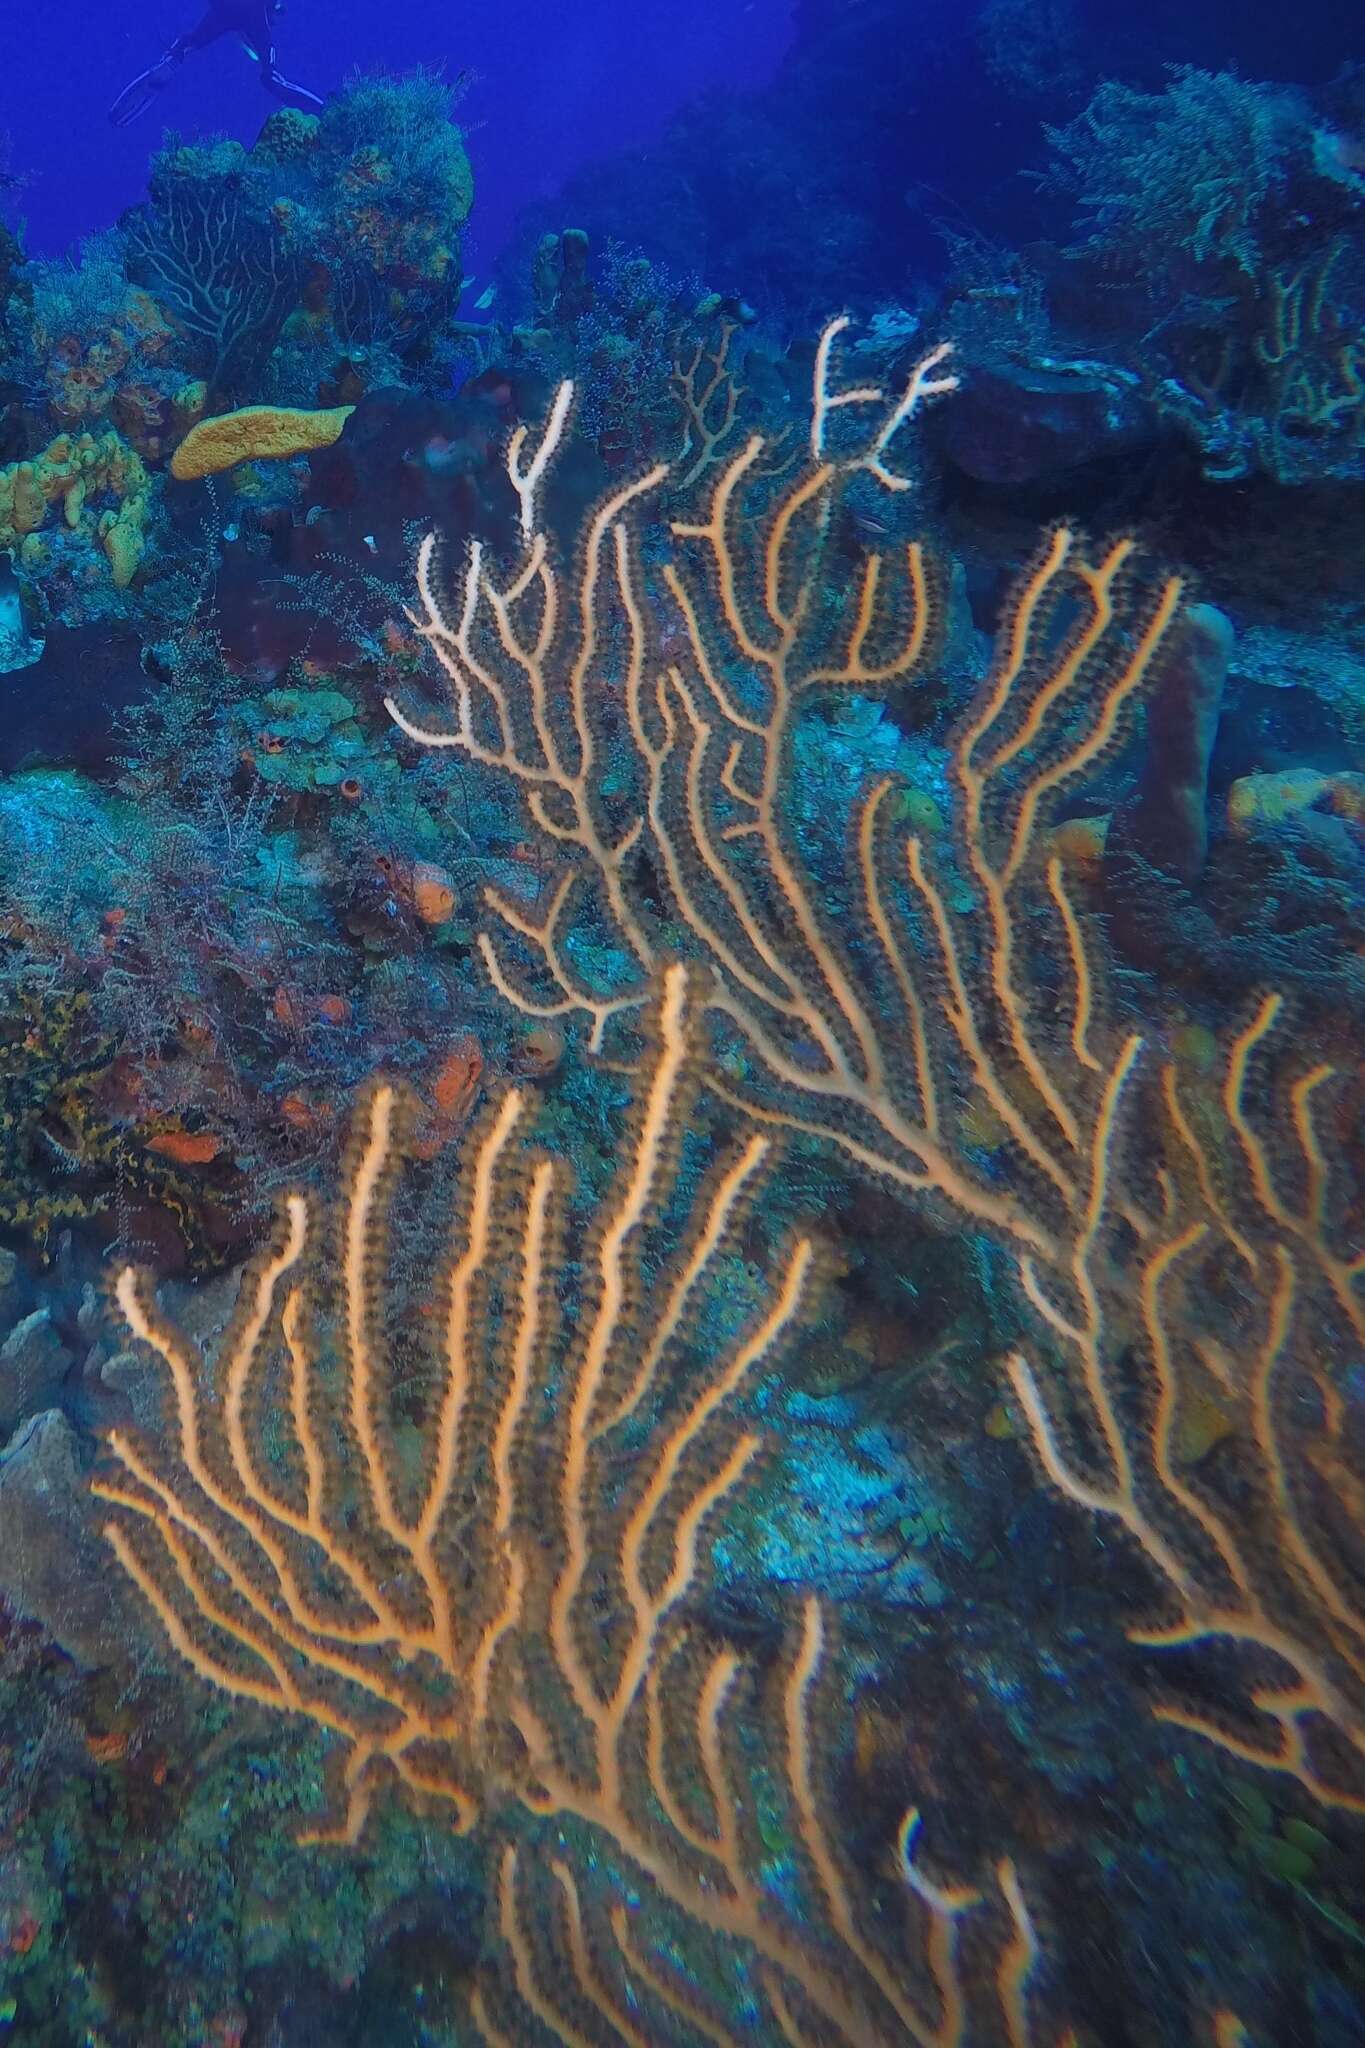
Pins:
<point x="132" y="101"/>
<point x="138" y="96"/>
<point x="293" y="95"/>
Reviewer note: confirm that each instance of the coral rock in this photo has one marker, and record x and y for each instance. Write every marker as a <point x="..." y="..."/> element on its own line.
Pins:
<point x="1011" y="425"/>
<point x="33" y="1364"/>
<point x="51" y="1568"/>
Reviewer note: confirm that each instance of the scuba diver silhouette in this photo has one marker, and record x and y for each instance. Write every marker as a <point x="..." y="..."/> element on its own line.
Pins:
<point x="252" y="22"/>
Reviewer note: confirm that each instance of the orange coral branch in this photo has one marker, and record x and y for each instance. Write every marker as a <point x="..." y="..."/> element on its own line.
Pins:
<point x="907" y="1025"/>
<point x="466" y="1655"/>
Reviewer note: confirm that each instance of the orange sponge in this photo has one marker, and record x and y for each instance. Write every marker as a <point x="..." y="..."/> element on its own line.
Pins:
<point x="256" y="433"/>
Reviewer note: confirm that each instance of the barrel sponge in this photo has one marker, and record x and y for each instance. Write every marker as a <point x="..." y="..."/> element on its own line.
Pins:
<point x="256" y="433"/>
<point x="1166" y="823"/>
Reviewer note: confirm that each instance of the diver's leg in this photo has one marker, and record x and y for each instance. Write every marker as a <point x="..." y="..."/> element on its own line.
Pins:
<point x="209" y="30"/>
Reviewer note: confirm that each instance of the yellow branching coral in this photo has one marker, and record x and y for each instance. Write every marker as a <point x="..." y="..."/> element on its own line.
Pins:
<point x="497" y="1609"/>
<point x="255" y="433"/>
<point x="948" y="993"/>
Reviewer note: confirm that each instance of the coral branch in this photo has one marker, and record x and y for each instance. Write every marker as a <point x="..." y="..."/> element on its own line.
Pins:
<point x="942" y="1019"/>
<point x="499" y="1618"/>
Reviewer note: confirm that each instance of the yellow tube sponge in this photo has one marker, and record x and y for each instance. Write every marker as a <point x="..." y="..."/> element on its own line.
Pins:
<point x="75" y="471"/>
<point x="257" y="433"/>
<point x="124" y="541"/>
<point x="29" y="499"/>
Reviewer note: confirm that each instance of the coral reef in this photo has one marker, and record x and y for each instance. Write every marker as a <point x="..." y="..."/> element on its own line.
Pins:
<point x="319" y="264"/>
<point x="797" y="1474"/>
<point x="1237" y="207"/>
<point x="751" y="721"/>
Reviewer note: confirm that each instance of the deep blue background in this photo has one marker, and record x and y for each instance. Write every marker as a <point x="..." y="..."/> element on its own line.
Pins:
<point x="553" y="86"/>
<point x="882" y="114"/>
